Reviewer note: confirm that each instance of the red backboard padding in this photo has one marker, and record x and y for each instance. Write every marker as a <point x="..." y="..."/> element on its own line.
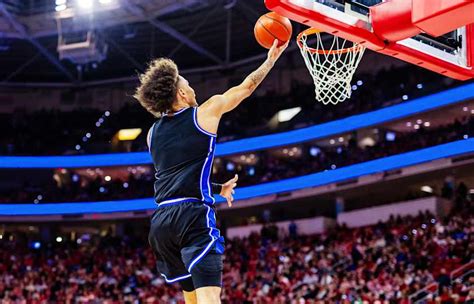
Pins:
<point x="391" y="20"/>
<point x="438" y="17"/>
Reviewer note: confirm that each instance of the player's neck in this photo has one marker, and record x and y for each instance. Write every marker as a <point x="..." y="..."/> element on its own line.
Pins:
<point x="179" y="106"/>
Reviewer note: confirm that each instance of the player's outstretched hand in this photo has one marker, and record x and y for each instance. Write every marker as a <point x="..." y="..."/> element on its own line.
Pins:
<point x="228" y="190"/>
<point x="275" y="51"/>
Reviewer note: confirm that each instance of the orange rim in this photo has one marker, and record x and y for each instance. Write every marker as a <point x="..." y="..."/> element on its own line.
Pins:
<point x="312" y="31"/>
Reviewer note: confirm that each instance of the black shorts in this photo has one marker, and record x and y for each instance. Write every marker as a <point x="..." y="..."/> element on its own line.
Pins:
<point x="184" y="236"/>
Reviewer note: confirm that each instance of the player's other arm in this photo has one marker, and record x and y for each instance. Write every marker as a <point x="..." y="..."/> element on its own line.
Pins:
<point x="217" y="105"/>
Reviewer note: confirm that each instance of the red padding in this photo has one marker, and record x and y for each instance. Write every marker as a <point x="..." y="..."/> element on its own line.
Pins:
<point x="391" y="20"/>
<point x="438" y="17"/>
<point x="470" y="45"/>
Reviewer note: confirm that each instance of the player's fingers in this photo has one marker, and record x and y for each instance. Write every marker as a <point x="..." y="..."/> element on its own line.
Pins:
<point x="234" y="185"/>
<point x="233" y="191"/>
<point x="274" y="46"/>
<point x="235" y="178"/>
<point x="229" y="202"/>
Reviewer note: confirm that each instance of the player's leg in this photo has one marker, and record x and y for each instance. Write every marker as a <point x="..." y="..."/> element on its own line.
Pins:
<point x="190" y="297"/>
<point x="188" y="291"/>
<point x="209" y="295"/>
<point x="207" y="278"/>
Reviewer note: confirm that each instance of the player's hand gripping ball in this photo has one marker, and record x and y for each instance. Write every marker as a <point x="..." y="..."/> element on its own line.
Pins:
<point x="272" y="26"/>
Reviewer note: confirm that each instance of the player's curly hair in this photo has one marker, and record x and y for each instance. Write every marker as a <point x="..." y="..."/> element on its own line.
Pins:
<point x="158" y="86"/>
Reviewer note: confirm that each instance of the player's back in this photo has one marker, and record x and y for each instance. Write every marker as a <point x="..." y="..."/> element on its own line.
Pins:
<point x="182" y="154"/>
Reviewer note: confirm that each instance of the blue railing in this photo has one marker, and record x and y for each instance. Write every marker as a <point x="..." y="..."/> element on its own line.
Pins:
<point x="311" y="180"/>
<point x="351" y="123"/>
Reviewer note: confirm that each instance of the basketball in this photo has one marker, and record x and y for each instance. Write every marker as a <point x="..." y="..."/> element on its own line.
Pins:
<point x="272" y="26"/>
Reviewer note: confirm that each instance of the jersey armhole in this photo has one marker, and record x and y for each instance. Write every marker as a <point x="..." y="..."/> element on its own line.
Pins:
<point x="198" y="126"/>
<point x="149" y="136"/>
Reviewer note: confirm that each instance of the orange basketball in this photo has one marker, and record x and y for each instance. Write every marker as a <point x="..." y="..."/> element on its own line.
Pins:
<point x="272" y="26"/>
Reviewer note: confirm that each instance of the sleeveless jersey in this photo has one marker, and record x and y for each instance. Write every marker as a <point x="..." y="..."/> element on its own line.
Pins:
<point x="182" y="154"/>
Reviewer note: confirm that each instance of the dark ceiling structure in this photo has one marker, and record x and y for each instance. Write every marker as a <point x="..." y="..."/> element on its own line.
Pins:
<point x="199" y="35"/>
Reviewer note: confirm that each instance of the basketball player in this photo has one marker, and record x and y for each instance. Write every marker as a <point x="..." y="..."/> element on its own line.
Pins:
<point x="183" y="234"/>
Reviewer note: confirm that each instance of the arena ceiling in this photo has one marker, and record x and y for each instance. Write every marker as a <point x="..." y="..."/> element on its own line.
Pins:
<point x="199" y="34"/>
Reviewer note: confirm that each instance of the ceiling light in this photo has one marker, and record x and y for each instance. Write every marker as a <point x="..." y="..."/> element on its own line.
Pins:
<point x="128" y="134"/>
<point x="288" y="114"/>
<point x="61" y="7"/>
<point x="427" y="189"/>
<point x="427" y="124"/>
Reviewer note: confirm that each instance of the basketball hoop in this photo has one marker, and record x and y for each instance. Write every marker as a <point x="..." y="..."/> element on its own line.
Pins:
<point x="332" y="68"/>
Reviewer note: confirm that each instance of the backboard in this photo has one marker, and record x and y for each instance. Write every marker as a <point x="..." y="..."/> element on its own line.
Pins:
<point x="434" y="34"/>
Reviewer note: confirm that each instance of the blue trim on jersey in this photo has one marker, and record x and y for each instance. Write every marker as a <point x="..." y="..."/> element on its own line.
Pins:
<point x="149" y="136"/>
<point x="175" y="279"/>
<point x="204" y="181"/>
<point x="176" y="113"/>
<point x="180" y="200"/>
<point x="198" y="126"/>
<point x="213" y="233"/>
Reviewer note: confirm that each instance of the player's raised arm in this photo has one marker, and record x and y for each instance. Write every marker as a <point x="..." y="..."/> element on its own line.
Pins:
<point x="217" y="105"/>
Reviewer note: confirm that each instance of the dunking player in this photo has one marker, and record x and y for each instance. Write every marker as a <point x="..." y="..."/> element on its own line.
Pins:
<point x="183" y="234"/>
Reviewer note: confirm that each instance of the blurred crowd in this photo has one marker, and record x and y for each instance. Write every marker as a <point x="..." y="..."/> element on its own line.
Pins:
<point x="384" y="263"/>
<point x="269" y="166"/>
<point x="51" y="132"/>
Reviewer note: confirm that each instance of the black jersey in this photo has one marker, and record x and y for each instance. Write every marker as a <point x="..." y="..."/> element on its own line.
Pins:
<point x="182" y="154"/>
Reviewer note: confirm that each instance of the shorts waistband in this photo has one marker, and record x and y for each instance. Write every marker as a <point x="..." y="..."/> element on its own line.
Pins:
<point x="180" y="200"/>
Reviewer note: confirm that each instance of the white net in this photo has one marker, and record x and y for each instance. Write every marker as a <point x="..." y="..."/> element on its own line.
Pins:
<point x="332" y="67"/>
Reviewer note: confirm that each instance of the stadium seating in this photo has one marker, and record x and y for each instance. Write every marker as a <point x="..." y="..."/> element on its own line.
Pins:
<point x="384" y="262"/>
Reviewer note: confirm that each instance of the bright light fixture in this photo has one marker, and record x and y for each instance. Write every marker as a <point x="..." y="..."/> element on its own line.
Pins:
<point x="427" y="189"/>
<point x="85" y="3"/>
<point x="60" y="2"/>
<point x="128" y="134"/>
<point x="288" y="114"/>
<point x="59" y="239"/>
<point x="105" y="1"/>
<point x="61" y="7"/>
